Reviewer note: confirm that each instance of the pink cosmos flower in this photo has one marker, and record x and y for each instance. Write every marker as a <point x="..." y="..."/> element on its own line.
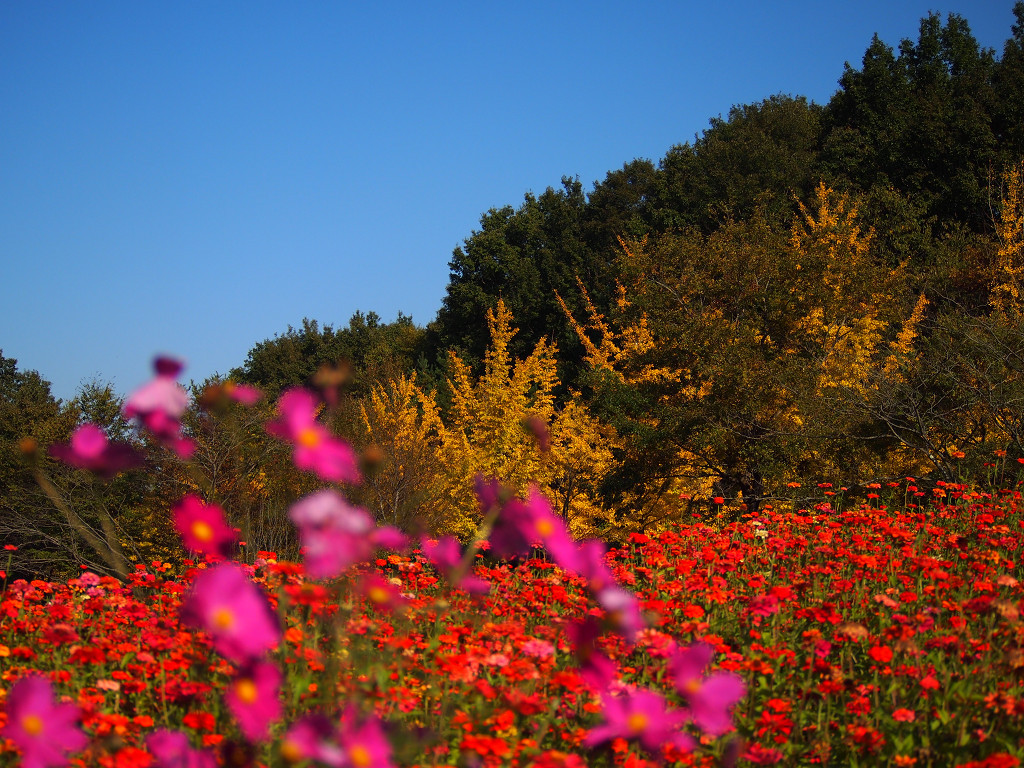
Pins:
<point x="221" y="393"/>
<point x="362" y="741"/>
<point x="234" y="611"/>
<point x="550" y="530"/>
<point x="316" y="450"/>
<point x="709" y="698"/>
<point x="89" y="449"/>
<point x="596" y="669"/>
<point x="593" y="568"/>
<point x="43" y="730"/>
<point x="172" y="750"/>
<point x="254" y="698"/>
<point x="380" y="593"/>
<point x="522" y="524"/>
<point x="312" y="738"/>
<point x="623" y="610"/>
<point x="160" y="405"/>
<point x="445" y="554"/>
<point x="335" y="535"/>
<point x="203" y="528"/>
<point x="642" y="716"/>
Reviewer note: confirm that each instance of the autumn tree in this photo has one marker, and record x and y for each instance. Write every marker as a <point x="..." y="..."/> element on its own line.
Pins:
<point x="731" y="356"/>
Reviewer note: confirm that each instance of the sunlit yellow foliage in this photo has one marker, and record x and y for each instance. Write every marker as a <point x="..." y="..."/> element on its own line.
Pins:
<point x="409" y="487"/>
<point x="427" y="475"/>
<point x="1009" y="279"/>
<point x="903" y="345"/>
<point x="832" y="231"/>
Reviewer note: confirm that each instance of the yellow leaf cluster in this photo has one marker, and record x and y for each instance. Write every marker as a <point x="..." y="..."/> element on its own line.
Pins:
<point x="431" y="460"/>
<point x="1009" y="277"/>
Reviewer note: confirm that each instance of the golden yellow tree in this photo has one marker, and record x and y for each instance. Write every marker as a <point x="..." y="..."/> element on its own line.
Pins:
<point x="1009" y="273"/>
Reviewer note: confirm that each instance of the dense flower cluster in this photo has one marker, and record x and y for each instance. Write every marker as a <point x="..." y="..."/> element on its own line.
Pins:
<point x="876" y="633"/>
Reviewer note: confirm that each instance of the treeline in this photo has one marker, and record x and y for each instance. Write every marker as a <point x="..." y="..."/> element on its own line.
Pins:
<point x="802" y="294"/>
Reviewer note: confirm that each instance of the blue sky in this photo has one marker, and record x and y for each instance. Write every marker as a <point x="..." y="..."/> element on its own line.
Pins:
<point x="193" y="177"/>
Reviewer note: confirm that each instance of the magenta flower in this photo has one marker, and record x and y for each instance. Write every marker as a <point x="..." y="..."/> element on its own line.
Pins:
<point x="43" y="730"/>
<point x="203" y="528"/>
<point x="254" y="698"/>
<point x="709" y="698"/>
<point x="362" y="741"/>
<point x="550" y="530"/>
<point x="172" y="750"/>
<point x="89" y="449"/>
<point x="312" y="737"/>
<point x="593" y="567"/>
<point x="316" y="450"/>
<point x="445" y="554"/>
<point x="380" y="593"/>
<point x="233" y="611"/>
<point x="596" y="669"/>
<point x="160" y="404"/>
<point x="641" y="716"/>
<point x="522" y="524"/>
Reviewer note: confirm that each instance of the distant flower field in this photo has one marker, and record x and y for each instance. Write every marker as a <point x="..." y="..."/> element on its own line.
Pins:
<point x="867" y="635"/>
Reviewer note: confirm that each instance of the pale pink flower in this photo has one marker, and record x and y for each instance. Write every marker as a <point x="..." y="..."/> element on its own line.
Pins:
<point x="446" y="554"/>
<point x="316" y="450"/>
<point x="312" y="737"/>
<point x="160" y="404"/>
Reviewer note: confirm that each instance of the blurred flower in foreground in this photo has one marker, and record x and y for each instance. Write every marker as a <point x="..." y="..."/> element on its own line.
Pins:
<point x="711" y="697"/>
<point x="334" y="534"/>
<point x="172" y="750"/>
<point x="89" y="449"/>
<point x="316" y="450"/>
<point x="312" y="737"/>
<point x="642" y="716"/>
<point x="233" y="611"/>
<point x="160" y="404"/>
<point x="43" y="730"/>
<point x="254" y="698"/>
<point x="445" y="554"/>
<point x="202" y="527"/>
<point x="363" y="742"/>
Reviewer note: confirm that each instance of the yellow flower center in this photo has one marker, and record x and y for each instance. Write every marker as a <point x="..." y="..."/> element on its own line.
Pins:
<point x="309" y="437"/>
<point x="291" y="752"/>
<point x="223" y="618"/>
<point x="545" y="528"/>
<point x="32" y="725"/>
<point x="691" y="686"/>
<point x="637" y="722"/>
<point x="202" y="530"/>
<point x="379" y="595"/>
<point x="360" y="756"/>
<point x="247" y="691"/>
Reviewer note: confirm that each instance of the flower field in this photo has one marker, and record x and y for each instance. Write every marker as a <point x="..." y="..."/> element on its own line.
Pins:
<point x="864" y="635"/>
<point x="823" y="631"/>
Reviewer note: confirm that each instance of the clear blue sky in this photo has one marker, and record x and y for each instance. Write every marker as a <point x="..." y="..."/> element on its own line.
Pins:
<point x="192" y="177"/>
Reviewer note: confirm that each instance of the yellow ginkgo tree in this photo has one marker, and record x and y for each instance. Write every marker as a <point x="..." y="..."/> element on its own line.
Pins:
<point x="505" y="423"/>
